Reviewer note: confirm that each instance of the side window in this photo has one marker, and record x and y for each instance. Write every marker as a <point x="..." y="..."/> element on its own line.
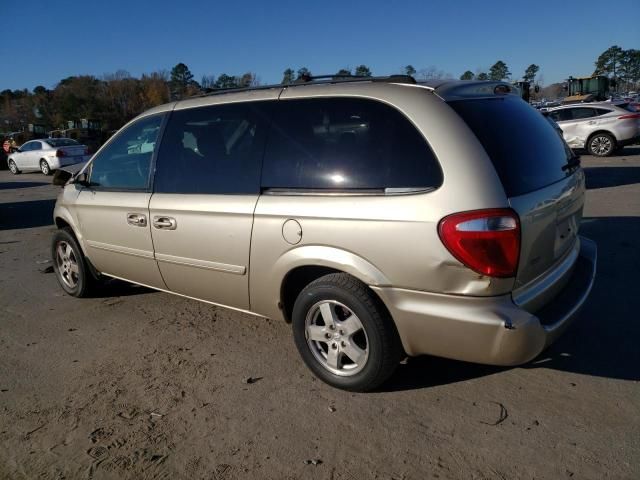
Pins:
<point x="346" y="143"/>
<point x="124" y="163"/>
<point x="212" y="150"/>
<point x="562" y="114"/>
<point x="601" y="111"/>
<point x="37" y="145"/>
<point x="27" y="147"/>
<point x="555" y="116"/>
<point x="580" y="113"/>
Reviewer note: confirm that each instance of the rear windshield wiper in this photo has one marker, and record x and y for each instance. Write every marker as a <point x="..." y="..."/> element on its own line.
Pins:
<point x="573" y="162"/>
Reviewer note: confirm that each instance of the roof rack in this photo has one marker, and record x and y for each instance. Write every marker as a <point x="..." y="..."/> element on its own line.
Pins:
<point x="312" y="80"/>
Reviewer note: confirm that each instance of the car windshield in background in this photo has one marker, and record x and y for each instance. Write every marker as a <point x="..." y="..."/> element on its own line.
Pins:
<point x="61" y="142"/>
<point x="526" y="151"/>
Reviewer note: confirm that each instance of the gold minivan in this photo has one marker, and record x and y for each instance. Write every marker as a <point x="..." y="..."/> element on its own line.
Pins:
<point x="380" y="217"/>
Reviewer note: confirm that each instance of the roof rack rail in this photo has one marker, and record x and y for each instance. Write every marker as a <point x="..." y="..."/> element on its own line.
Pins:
<point x="312" y="80"/>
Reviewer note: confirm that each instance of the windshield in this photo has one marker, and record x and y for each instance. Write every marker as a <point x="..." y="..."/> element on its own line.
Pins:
<point x="61" y="142"/>
<point x="526" y="150"/>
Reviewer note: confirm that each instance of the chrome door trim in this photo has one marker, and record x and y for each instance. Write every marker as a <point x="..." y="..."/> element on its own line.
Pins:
<point x="192" y="262"/>
<point x="118" y="249"/>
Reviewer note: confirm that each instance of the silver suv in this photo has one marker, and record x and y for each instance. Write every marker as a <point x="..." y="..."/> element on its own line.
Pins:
<point x="379" y="217"/>
<point x="600" y="128"/>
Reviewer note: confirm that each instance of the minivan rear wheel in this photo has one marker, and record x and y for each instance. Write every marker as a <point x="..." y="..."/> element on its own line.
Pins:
<point x="69" y="265"/>
<point x="601" y="145"/>
<point x="344" y="334"/>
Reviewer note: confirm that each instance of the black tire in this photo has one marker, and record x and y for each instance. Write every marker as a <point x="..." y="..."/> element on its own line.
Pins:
<point x="601" y="145"/>
<point x="44" y="167"/>
<point x="13" y="167"/>
<point x="84" y="277"/>
<point x="378" y="333"/>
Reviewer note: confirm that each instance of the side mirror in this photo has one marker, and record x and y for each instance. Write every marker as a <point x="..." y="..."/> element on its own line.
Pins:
<point x="61" y="177"/>
<point x="82" y="179"/>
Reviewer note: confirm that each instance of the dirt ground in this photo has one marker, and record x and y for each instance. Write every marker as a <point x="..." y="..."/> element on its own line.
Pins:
<point x="140" y="384"/>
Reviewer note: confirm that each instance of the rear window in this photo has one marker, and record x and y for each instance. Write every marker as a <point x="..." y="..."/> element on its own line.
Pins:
<point x="61" y="142"/>
<point x="527" y="152"/>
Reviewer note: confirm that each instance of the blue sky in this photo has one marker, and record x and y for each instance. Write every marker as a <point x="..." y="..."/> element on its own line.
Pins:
<point x="41" y="44"/>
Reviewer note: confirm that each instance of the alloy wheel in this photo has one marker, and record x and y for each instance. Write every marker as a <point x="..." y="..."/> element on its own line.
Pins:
<point x="336" y="337"/>
<point x="601" y="145"/>
<point x="67" y="263"/>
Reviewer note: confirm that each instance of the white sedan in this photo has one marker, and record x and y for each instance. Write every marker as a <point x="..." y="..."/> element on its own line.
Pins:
<point x="47" y="155"/>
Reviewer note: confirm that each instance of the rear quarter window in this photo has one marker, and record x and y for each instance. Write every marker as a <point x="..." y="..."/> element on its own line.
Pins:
<point x="525" y="149"/>
<point x="346" y="144"/>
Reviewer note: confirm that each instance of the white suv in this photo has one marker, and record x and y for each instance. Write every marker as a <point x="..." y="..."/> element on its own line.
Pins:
<point x="600" y="128"/>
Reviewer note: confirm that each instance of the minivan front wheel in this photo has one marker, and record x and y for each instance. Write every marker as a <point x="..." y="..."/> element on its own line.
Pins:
<point x="601" y="145"/>
<point x="344" y="334"/>
<point x="69" y="264"/>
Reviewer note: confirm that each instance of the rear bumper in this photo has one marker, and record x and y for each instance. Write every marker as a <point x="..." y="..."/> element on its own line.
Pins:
<point x="489" y="330"/>
<point x="58" y="162"/>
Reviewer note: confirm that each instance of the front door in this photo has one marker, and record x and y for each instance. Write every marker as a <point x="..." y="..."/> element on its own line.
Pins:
<point x="114" y="210"/>
<point x="207" y="183"/>
<point x="578" y="125"/>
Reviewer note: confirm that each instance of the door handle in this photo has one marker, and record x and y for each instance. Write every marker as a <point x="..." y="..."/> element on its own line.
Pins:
<point x="137" y="219"/>
<point x="592" y="122"/>
<point x="165" y="223"/>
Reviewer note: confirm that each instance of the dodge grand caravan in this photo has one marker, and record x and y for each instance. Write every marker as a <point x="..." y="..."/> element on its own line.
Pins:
<point x="379" y="217"/>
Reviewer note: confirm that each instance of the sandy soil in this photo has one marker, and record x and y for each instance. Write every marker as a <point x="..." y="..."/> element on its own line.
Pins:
<point x="140" y="384"/>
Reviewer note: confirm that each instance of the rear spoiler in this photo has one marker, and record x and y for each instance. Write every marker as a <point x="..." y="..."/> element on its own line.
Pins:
<point x="466" y="89"/>
<point x="62" y="175"/>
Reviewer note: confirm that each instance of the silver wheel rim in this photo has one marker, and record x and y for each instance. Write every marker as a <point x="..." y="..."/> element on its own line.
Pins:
<point x="67" y="263"/>
<point x="12" y="167"/>
<point x="336" y="338"/>
<point x="44" y="167"/>
<point x="601" y="145"/>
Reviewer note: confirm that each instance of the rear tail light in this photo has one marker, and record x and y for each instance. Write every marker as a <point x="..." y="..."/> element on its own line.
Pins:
<point x="60" y="153"/>
<point x="630" y="115"/>
<point x="486" y="241"/>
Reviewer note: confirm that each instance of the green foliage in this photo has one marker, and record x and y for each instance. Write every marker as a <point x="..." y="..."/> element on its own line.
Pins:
<point x="530" y="73"/>
<point x="303" y="73"/>
<point x="342" y="72"/>
<point x="362" y="71"/>
<point x="623" y="65"/>
<point x="630" y="66"/>
<point x="482" y="76"/>
<point x="288" y="76"/>
<point x="499" y="71"/>
<point x="468" y="75"/>
<point x="609" y="61"/>
<point x="181" y="79"/>
<point x="226" y="81"/>
<point x="409" y="70"/>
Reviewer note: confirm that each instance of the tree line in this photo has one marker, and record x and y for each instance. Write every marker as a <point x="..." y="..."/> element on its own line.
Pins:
<point x="115" y="98"/>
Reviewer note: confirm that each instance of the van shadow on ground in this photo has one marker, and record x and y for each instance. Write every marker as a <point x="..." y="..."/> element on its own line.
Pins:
<point x="29" y="214"/>
<point x="606" y="177"/>
<point x="14" y="185"/>
<point x="602" y="342"/>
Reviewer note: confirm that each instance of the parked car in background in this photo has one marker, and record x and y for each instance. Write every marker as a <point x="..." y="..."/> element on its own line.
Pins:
<point x="379" y="217"/>
<point x="47" y="155"/>
<point x="601" y="128"/>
